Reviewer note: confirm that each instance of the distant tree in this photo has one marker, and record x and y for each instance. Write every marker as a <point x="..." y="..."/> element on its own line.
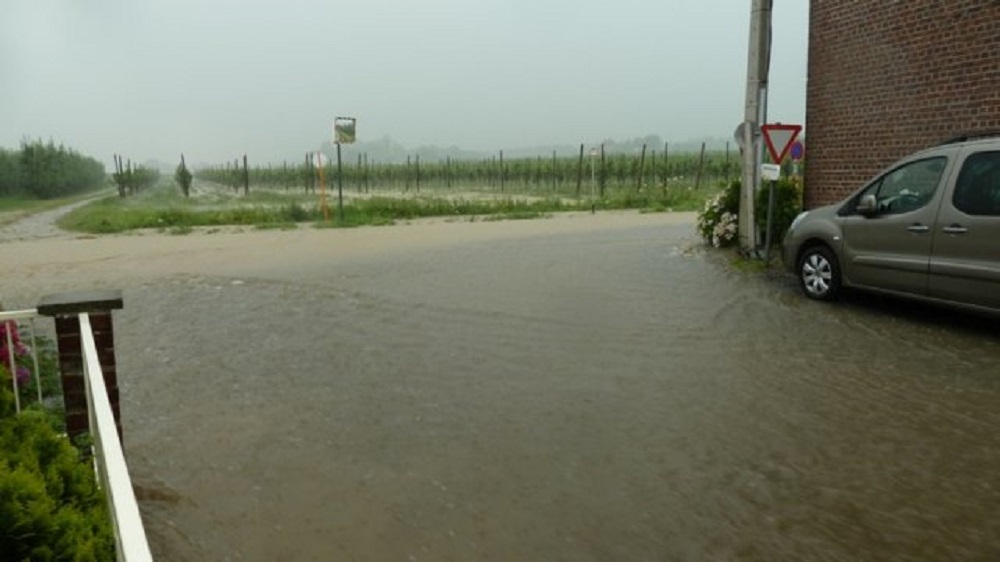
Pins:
<point x="46" y="171"/>
<point x="10" y="173"/>
<point x="183" y="177"/>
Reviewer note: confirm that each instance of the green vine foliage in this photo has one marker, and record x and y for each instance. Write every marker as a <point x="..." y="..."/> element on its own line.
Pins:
<point x="50" y="505"/>
<point x="183" y="178"/>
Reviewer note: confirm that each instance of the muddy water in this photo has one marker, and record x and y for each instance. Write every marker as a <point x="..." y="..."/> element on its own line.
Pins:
<point x="619" y="394"/>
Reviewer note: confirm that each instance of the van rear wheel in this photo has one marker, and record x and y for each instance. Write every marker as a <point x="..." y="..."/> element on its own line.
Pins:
<point x="819" y="273"/>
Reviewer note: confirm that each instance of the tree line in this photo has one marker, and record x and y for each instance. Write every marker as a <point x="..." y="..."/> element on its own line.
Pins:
<point x="39" y="170"/>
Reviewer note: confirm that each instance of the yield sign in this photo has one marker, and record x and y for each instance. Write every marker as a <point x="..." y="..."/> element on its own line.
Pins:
<point x="779" y="139"/>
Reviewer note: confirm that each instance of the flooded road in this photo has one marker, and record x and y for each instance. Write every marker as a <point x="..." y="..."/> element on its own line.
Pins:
<point x="529" y="391"/>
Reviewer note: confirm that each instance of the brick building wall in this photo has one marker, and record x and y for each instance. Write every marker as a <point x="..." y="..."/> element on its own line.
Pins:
<point x="887" y="77"/>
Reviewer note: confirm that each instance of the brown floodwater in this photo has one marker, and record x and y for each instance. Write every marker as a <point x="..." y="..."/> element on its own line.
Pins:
<point x="609" y="394"/>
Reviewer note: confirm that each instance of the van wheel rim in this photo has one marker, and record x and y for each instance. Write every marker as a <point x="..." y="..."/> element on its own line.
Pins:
<point x="817" y="274"/>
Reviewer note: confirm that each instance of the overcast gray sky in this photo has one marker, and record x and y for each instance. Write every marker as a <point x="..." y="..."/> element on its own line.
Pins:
<point x="216" y="78"/>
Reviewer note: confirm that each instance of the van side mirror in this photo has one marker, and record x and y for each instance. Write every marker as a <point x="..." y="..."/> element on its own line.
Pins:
<point x="867" y="206"/>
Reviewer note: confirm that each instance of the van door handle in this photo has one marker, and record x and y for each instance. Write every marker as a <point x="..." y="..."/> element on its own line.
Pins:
<point x="955" y="229"/>
<point x="918" y="228"/>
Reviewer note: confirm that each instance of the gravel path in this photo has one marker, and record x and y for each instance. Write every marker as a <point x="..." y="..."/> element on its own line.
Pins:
<point x="40" y="225"/>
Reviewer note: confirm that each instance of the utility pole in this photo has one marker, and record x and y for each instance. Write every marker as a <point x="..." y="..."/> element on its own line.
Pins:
<point x="755" y="115"/>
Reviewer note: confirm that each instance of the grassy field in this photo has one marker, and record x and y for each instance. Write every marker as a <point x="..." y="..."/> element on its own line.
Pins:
<point x="164" y="207"/>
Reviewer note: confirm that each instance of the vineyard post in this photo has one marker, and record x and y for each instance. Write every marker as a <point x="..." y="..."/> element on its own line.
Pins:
<point x="593" y="179"/>
<point x="406" y="176"/>
<point x="340" y="188"/>
<point x="322" y="187"/>
<point x="604" y="172"/>
<point x="284" y="174"/>
<point x="447" y="172"/>
<point x="579" y="172"/>
<point x="186" y="177"/>
<point x="701" y="166"/>
<point x="554" y="170"/>
<point x="308" y="174"/>
<point x="246" y="176"/>
<point x="642" y="168"/>
<point x="120" y="176"/>
<point x="417" y="169"/>
<point x="656" y="172"/>
<point x="366" y="172"/>
<point x="501" y="171"/>
<point x="538" y="173"/>
<point x="666" y="166"/>
<point x="360" y="183"/>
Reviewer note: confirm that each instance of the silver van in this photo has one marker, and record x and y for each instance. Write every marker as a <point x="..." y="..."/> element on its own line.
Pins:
<point x="927" y="228"/>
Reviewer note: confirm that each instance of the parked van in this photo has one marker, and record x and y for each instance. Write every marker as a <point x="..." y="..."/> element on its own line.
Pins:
<point x="928" y="228"/>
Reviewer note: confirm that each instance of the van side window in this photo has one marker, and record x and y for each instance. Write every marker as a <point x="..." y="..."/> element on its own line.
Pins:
<point x="908" y="187"/>
<point x="977" y="191"/>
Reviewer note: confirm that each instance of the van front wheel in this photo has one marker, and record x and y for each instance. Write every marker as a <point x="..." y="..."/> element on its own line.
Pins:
<point x="819" y="273"/>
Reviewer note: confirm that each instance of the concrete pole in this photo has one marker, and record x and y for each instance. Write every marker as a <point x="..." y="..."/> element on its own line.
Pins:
<point x="758" y="58"/>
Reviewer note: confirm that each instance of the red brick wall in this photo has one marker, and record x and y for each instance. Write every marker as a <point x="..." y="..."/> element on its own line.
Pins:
<point x="887" y="77"/>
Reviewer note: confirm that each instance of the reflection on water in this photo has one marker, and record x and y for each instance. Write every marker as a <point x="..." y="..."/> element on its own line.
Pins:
<point x="612" y="396"/>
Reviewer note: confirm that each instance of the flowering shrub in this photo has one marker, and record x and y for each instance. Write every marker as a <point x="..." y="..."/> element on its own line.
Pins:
<point x="20" y="353"/>
<point x="718" y="219"/>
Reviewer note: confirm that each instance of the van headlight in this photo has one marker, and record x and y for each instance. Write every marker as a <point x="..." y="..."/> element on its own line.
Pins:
<point x="797" y="220"/>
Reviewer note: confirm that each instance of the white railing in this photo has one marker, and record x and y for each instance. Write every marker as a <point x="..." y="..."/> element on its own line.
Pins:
<point x="130" y="535"/>
<point x="10" y="322"/>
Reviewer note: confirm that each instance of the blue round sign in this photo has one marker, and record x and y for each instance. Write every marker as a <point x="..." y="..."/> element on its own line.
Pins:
<point x="797" y="151"/>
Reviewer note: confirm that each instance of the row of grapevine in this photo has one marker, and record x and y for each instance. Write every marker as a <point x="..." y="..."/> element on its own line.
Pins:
<point x="131" y="179"/>
<point x="551" y="173"/>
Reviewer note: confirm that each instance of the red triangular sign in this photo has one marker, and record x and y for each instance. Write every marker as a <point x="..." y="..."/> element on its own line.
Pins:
<point x="779" y="139"/>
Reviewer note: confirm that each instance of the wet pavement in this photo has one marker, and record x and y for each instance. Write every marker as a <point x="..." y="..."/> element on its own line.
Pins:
<point x="619" y="393"/>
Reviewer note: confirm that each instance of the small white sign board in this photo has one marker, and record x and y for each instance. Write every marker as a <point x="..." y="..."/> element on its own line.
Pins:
<point x="770" y="172"/>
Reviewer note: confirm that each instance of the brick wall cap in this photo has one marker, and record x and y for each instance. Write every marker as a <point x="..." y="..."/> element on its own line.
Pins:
<point x="76" y="302"/>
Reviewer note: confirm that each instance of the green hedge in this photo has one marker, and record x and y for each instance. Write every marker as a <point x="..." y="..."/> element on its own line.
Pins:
<point x="787" y="205"/>
<point x="50" y="505"/>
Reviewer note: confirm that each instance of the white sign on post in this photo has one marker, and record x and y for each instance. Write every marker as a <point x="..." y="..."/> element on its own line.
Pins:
<point x="770" y="172"/>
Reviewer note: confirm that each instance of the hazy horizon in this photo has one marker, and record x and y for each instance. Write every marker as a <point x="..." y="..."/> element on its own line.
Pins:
<point x="150" y="79"/>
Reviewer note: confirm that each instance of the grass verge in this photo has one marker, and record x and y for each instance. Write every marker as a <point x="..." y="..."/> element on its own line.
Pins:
<point x="161" y="208"/>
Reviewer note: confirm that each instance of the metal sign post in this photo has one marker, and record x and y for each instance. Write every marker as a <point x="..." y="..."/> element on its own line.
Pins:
<point x="344" y="132"/>
<point x="779" y="139"/>
<point x="593" y="182"/>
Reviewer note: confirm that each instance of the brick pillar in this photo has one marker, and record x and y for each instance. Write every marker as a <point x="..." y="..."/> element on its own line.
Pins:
<point x="64" y="308"/>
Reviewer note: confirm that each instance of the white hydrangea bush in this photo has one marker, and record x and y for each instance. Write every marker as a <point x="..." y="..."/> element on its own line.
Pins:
<point x="718" y="221"/>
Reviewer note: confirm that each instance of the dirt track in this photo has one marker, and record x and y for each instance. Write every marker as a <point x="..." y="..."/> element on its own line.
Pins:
<point x="49" y="259"/>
